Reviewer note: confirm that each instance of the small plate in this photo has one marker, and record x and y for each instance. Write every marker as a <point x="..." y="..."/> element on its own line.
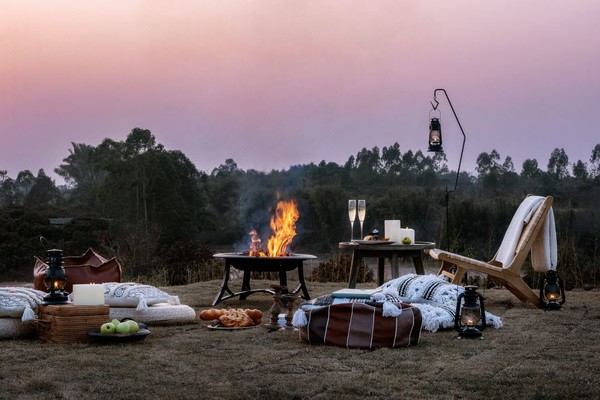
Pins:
<point x="373" y="242"/>
<point x="118" y="337"/>
<point x="229" y="328"/>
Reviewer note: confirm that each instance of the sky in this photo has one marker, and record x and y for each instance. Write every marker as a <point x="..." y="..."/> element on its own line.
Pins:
<point x="276" y="83"/>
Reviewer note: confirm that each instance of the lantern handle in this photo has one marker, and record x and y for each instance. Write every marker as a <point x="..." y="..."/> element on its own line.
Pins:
<point x="45" y="243"/>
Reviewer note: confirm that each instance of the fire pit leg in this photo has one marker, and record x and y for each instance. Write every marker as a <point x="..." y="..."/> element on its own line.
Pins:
<point x="224" y="287"/>
<point x="246" y="284"/>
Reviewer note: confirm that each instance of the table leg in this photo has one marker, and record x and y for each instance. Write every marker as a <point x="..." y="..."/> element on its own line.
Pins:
<point x="354" y="264"/>
<point x="418" y="263"/>
<point x="380" y="270"/>
<point x="395" y="270"/>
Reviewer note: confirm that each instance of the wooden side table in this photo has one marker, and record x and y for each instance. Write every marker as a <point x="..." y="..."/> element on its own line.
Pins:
<point x="392" y="251"/>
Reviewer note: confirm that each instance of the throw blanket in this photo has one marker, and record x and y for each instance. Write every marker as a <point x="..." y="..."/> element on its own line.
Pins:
<point x="544" y="249"/>
<point x="433" y="295"/>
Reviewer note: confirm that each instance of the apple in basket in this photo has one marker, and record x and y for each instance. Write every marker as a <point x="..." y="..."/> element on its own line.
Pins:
<point x="108" y="328"/>
<point x="133" y="326"/>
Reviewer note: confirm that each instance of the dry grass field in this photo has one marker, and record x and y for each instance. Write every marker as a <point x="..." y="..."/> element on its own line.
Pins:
<point x="536" y="355"/>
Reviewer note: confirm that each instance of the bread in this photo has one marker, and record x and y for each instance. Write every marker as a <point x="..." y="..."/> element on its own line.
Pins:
<point x="236" y="318"/>
<point x="211" y="313"/>
<point x="255" y="314"/>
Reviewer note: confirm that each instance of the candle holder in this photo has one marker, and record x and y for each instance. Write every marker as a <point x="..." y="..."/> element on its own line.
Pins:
<point x="276" y="307"/>
<point x="290" y="299"/>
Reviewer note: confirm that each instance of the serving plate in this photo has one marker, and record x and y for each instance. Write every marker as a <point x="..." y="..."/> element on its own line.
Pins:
<point x="118" y="337"/>
<point x="374" y="242"/>
<point x="229" y="328"/>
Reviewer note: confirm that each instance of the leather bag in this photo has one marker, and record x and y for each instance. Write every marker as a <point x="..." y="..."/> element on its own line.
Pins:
<point x="87" y="268"/>
<point x="362" y="325"/>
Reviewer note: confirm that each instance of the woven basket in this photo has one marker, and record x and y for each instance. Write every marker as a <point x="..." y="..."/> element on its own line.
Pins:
<point x="70" y="323"/>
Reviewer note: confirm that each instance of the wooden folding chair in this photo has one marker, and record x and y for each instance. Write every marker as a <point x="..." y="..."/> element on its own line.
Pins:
<point x="455" y="266"/>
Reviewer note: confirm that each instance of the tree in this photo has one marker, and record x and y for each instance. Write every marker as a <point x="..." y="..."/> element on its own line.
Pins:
<point x="595" y="162"/>
<point x="43" y="192"/>
<point x="580" y="170"/>
<point x="487" y="163"/>
<point x="530" y="169"/>
<point x="558" y="163"/>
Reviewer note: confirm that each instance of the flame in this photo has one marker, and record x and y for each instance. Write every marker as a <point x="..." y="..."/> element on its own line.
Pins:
<point x="283" y="225"/>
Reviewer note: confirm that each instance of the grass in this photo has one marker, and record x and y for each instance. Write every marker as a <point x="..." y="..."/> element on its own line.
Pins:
<point x="536" y="355"/>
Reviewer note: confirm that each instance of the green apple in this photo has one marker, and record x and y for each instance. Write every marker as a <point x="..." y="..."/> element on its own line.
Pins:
<point x="107" y="328"/>
<point x="123" y="327"/>
<point x="133" y="326"/>
<point x="115" y="322"/>
<point x="406" y="240"/>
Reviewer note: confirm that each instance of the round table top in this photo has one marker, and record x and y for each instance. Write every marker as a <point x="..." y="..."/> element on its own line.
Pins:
<point x="384" y="245"/>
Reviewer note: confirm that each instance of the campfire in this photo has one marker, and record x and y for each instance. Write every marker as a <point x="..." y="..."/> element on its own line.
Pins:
<point x="283" y="226"/>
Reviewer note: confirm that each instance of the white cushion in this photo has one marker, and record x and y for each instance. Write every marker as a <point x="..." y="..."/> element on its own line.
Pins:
<point x="131" y="294"/>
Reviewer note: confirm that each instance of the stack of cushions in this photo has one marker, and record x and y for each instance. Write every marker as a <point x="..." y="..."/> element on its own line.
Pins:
<point x="145" y="303"/>
<point x="18" y="308"/>
<point x="433" y="295"/>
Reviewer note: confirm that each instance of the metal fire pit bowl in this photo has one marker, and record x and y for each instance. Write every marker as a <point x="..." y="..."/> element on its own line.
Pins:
<point x="249" y="264"/>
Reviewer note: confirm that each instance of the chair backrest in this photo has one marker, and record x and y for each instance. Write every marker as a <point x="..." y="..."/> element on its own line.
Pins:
<point x="530" y="232"/>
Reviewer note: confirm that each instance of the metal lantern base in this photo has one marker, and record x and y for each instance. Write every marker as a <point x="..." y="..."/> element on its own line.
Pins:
<point x="470" y="333"/>
<point x="56" y="298"/>
<point x="552" y="306"/>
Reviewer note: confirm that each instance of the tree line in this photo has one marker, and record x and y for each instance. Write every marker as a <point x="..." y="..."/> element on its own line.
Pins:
<point x="153" y="209"/>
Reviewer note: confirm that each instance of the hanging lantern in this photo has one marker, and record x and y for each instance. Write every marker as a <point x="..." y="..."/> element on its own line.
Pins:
<point x="55" y="278"/>
<point x="435" y="136"/>
<point x="469" y="319"/>
<point x="552" y="291"/>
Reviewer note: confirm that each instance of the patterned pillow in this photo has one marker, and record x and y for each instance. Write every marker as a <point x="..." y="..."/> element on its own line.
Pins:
<point x="131" y="294"/>
<point x="15" y="300"/>
<point x="429" y="289"/>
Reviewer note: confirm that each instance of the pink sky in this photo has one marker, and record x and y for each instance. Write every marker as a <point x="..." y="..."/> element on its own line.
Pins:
<point x="283" y="82"/>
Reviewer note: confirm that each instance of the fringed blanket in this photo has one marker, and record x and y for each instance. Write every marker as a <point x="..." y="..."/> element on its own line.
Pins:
<point x="435" y="297"/>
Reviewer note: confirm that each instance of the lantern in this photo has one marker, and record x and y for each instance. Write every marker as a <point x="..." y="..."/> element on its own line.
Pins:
<point x="469" y="319"/>
<point x="435" y="136"/>
<point x="55" y="278"/>
<point x="552" y="291"/>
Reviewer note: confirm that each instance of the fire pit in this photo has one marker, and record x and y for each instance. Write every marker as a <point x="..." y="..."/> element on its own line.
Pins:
<point x="249" y="264"/>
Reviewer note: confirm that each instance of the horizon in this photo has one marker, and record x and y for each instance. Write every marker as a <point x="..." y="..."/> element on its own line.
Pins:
<point x="273" y="84"/>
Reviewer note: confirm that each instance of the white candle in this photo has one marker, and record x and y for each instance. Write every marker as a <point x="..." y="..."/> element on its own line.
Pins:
<point x="409" y="233"/>
<point x="392" y="230"/>
<point x="88" y="295"/>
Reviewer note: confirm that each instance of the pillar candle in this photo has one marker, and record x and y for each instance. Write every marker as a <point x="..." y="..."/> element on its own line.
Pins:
<point x="408" y="233"/>
<point x="392" y="230"/>
<point x="88" y="295"/>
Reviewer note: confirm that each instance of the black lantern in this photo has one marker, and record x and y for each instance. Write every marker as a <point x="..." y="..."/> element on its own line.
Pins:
<point x="552" y="291"/>
<point x="55" y="278"/>
<point x="435" y="136"/>
<point x="469" y="319"/>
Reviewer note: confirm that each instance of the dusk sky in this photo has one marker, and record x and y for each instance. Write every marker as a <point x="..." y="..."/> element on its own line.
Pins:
<point x="276" y="83"/>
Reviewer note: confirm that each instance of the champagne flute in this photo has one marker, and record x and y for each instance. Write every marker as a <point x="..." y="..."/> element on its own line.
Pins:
<point x="362" y="212"/>
<point x="352" y="216"/>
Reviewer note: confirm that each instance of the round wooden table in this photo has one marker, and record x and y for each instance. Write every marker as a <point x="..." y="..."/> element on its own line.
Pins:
<point x="382" y="250"/>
